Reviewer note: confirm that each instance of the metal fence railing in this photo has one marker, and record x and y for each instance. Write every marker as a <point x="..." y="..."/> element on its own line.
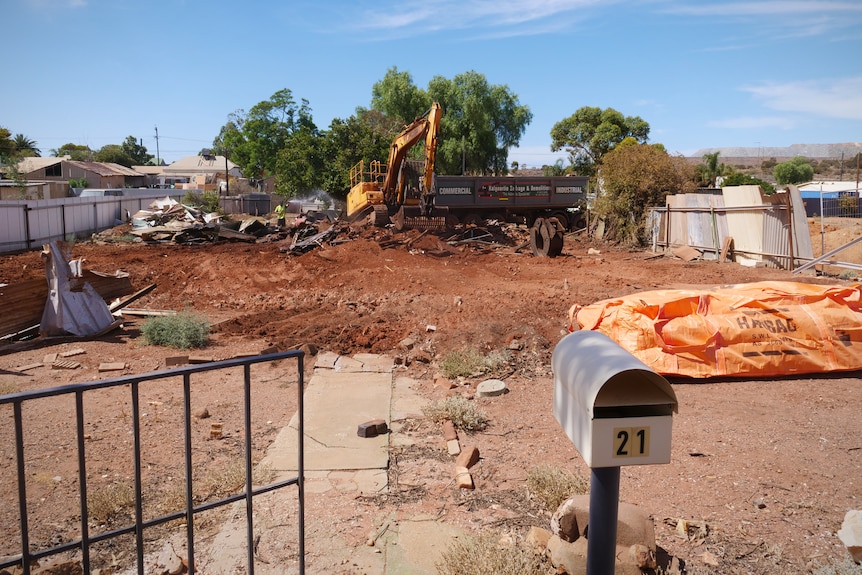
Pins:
<point x="26" y="430"/>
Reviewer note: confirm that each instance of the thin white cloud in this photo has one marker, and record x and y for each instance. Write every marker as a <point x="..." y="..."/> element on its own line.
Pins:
<point x="778" y="18"/>
<point x="751" y="122"/>
<point x="771" y="8"/>
<point x="831" y="98"/>
<point x="416" y="16"/>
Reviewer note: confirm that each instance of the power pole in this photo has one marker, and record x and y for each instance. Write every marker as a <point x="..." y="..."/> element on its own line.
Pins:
<point x="158" y="161"/>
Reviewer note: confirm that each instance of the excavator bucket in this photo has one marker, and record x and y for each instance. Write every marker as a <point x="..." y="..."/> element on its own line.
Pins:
<point x="413" y="218"/>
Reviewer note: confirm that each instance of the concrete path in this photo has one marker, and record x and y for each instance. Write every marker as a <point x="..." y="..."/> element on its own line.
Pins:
<point x="342" y="393"/>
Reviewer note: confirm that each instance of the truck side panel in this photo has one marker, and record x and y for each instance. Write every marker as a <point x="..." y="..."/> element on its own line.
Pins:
<point x="527" y="197"/>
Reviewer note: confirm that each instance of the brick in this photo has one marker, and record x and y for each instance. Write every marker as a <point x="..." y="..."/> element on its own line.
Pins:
<point x="71" y="352"/>
<point x="463" y="478"/>
<point x="112" y="366"/>
<point x="176" y="360"/>
<point x="449" y="431"/>
<point x="372" y="428"/>
<point x="453" y="447"/>
<point x="468" y="457"/>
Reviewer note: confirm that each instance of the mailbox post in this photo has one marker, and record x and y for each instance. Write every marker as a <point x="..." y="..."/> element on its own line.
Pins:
<point x="617" y="411"/>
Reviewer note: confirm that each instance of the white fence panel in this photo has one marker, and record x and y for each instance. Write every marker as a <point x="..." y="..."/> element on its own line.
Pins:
<point x="13" y="226"/>
<point x="29" y="224"/>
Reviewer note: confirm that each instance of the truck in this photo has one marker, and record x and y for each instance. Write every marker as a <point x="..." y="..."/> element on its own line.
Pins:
<point x="522" y="199"/>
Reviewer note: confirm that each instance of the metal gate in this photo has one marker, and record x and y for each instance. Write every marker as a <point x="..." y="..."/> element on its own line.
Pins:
<point x="140" y="524"/>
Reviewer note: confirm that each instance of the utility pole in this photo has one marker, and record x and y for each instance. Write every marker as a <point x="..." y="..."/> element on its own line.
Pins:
<point x="158" y="161"/>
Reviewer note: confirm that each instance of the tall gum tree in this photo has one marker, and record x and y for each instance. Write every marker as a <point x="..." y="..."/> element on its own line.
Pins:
<point x="590" y="133"/>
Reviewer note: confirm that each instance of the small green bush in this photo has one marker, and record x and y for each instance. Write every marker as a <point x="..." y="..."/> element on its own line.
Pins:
<point x="484" y="555"/>
<point x="552" y="485"/>
<point x="464" y="413"/>
<point x="182" y="331"/>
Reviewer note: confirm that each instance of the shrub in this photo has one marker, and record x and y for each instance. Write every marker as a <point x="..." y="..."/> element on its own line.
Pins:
<point x="182" y="331"/>
<point x="552" y="485"/>
<point x="470" y="362"/>
<point x="464" y="413"/>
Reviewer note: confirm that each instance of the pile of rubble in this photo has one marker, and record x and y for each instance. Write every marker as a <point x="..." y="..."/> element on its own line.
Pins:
<point x="169" y="221"/>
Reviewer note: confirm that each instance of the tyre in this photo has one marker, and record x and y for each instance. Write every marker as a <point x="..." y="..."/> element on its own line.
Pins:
<point x="538" y="238"/>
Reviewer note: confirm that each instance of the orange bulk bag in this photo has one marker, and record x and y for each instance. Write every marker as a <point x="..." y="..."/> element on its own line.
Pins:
<point x="744" y="330"/>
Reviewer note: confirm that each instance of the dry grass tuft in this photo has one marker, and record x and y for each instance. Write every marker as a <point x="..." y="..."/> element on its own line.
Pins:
<point x="483" y="555"/>
<point x="464" y="413"/>
<point x="553" y="485"/>
<point x="111" y="503"/>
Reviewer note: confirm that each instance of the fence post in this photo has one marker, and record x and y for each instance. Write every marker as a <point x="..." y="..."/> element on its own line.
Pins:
<point x="27" y="225"/>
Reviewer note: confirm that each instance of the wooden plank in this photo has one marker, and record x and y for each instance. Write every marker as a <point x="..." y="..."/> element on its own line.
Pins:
<point x="726" y="247"/>
<point x="686" y="253"/>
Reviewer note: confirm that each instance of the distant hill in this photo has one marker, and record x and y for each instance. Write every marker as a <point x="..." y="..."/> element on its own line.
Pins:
<point x="833" y="151"/>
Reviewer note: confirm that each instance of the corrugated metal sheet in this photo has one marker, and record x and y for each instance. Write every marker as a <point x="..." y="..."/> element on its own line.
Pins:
<point x="763" y="228"/>
<point x="22" y="304"/>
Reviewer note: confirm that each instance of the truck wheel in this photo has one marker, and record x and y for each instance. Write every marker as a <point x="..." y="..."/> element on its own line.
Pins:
<point x="452" y="220"/>
<point x="538" y="238"/>
<point x="554" y="231"/>
<point x="562" y="218"/>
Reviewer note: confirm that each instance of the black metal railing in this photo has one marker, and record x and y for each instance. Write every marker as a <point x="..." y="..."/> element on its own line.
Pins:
<point x="86" y="540"/>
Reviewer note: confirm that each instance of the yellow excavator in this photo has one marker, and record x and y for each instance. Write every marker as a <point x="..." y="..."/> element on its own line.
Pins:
<point x="401" y="191"/>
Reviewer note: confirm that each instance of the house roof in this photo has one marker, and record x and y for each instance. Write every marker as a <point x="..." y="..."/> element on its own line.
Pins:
<point x="105" y="168"/>
<point x="149" y="170"/>
<point x="829" y="187"/>
<point x="191" y="165"/>
<point x="27" y="165"/>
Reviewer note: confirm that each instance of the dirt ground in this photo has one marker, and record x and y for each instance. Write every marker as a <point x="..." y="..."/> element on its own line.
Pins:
<point x="769" y="467"/>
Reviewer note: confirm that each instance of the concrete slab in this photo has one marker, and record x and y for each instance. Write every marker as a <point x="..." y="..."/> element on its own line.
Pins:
<point x="415" y="546"/>
<point x="335" y="404"/>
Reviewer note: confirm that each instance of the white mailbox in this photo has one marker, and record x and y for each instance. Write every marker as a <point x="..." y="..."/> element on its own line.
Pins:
<point x="616" y="410"/>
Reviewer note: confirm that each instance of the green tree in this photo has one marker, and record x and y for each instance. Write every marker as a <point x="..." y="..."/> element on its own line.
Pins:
<point x="710" y="169"/>
<point x="481" y="122"/>
<point x="299" y="168"/>
<point x="136" y="151"/>
<point x="590" y="133"/>
<point x="555" y="169"/>
<point x="635" y="176"/>
<point x="7" y="145"/>
<point x="397" y="97"/>
<point x="25" y="147"/>
<point x="740" y="179"/>
<point x="114" y="154"/>
<point x="793" y="171"/>
<point x="253" y="140"/>
<point x="77" y="152"/>
<point x="366" y="135"/>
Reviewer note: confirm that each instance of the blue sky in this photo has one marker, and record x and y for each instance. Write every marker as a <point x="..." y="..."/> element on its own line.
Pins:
<point x="702" y="73"/>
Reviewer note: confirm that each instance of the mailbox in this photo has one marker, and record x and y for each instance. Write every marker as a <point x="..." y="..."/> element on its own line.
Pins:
<point x="616" y="410"/>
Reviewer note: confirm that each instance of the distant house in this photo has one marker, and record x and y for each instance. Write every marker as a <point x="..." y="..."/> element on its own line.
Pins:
<point x="97" y="174"/>
<point x="828" y="189"/>
<point x="204" y="172"/>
